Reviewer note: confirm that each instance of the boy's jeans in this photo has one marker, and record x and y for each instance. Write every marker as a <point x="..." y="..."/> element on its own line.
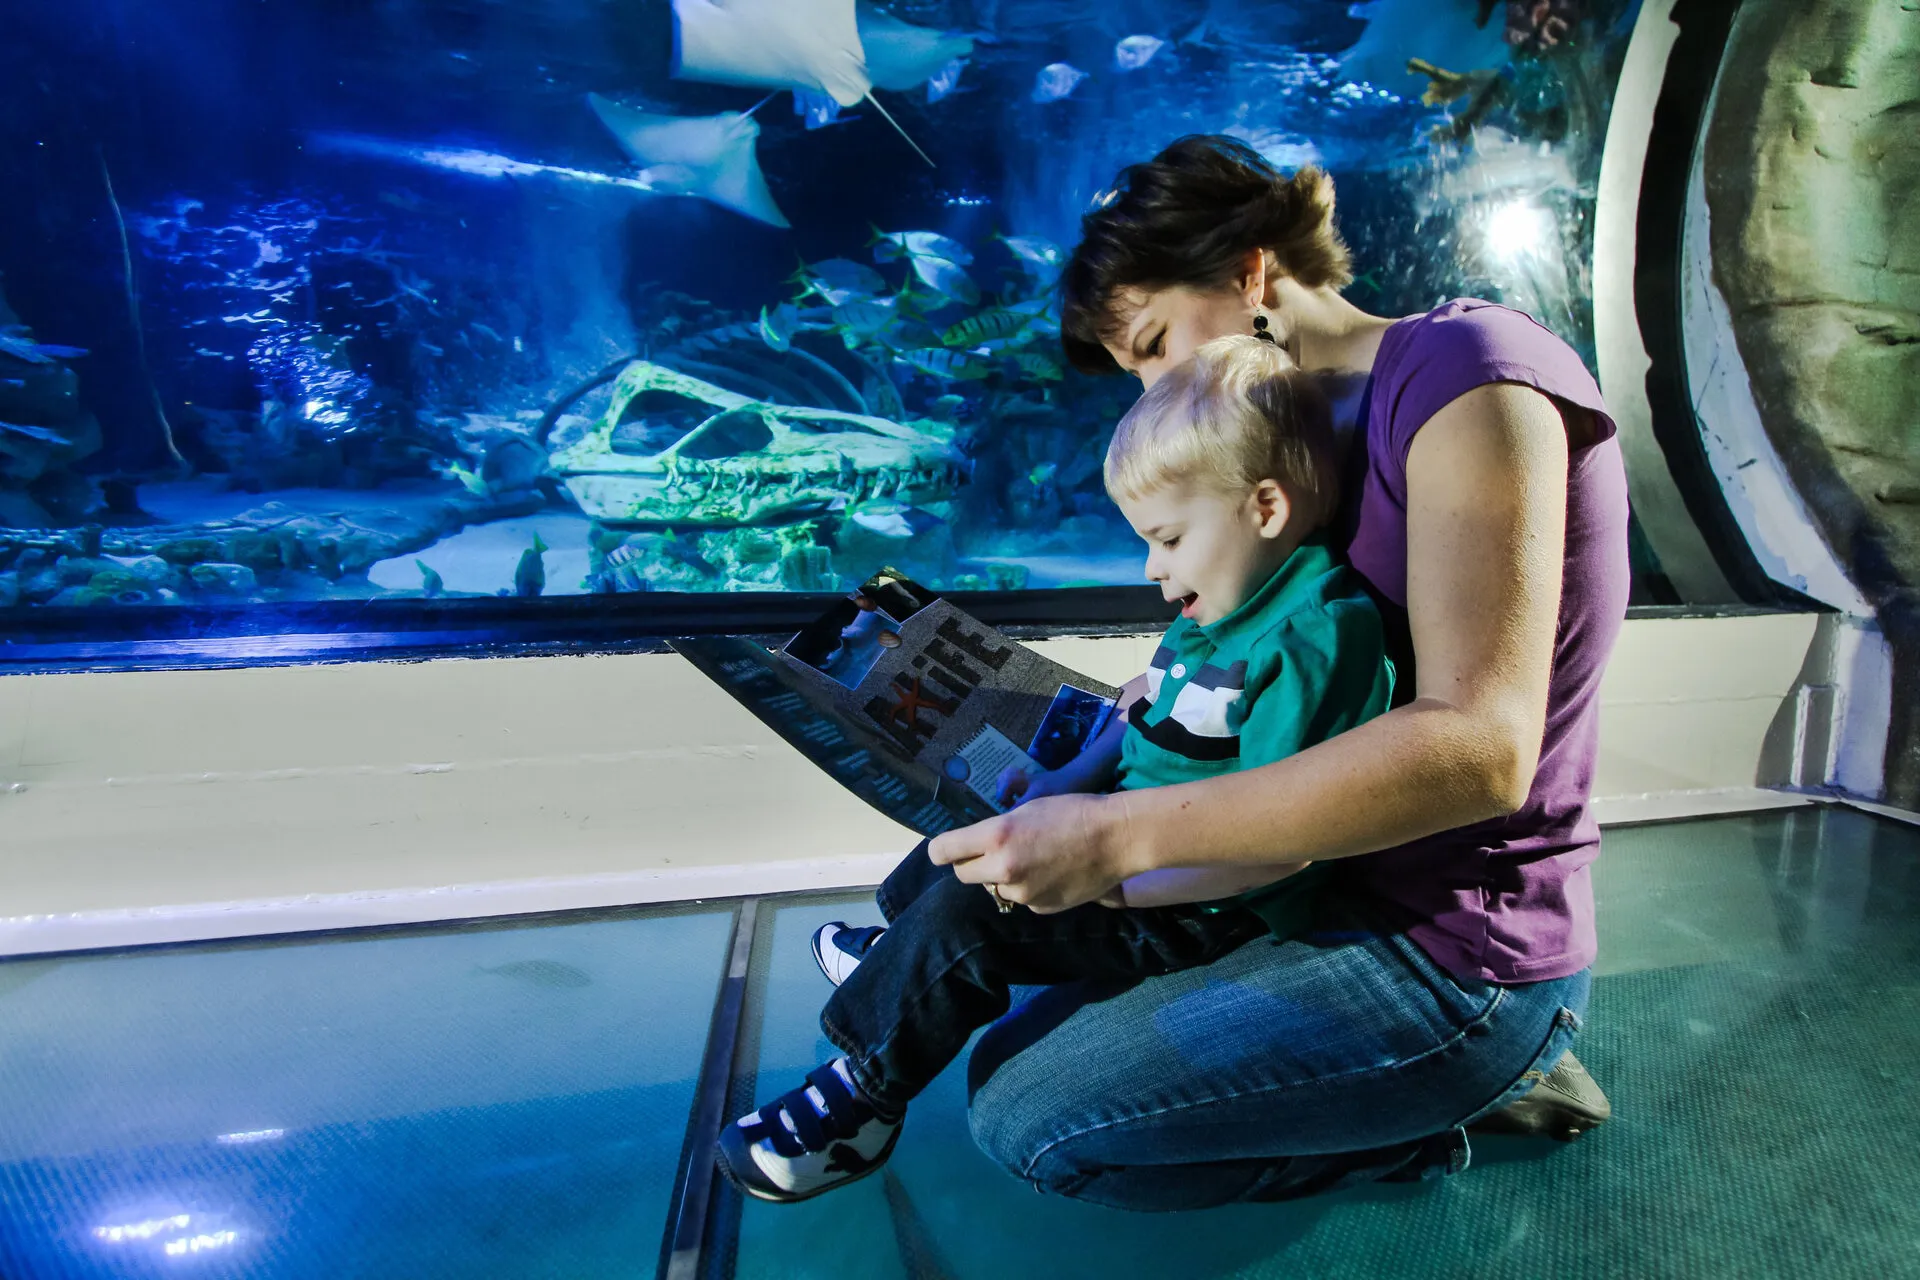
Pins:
<point x="947" y="963"/>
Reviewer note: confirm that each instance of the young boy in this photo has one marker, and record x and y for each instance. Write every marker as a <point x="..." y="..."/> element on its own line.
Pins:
<point x="1226" y="468"/>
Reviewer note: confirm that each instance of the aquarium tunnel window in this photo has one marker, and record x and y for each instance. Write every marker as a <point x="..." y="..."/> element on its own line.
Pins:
<point x="306" y="305"/>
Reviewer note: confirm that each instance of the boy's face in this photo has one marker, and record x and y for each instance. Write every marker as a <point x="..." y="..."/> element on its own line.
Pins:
<point x="1208" y="549"/>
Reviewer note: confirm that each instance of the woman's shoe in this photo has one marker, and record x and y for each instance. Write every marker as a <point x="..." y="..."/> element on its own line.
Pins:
<point x="1563" y="1104"/>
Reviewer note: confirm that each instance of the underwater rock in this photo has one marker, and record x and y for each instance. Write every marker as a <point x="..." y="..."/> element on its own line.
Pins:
<point x="153" y="570"/>
<point x="1007" y="577"/>
<point x="750" y="462"/>
<point x="761" y="559"/>
<point x="118" y="586"/>
<point x="231" y="579"/>
<point x="79" y="570"/>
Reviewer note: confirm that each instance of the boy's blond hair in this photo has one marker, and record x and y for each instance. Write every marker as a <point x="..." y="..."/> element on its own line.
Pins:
<point x="1235" y="414"/>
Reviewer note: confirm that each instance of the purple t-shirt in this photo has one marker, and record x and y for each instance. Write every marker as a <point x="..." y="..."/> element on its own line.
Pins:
<point x="1510" y="900"/>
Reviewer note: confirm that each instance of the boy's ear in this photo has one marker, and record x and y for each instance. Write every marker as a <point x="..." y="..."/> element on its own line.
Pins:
<point x="1273" y="507"/>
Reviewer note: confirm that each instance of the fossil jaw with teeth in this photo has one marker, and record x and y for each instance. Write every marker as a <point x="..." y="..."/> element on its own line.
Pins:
<point x="749" y="462"/>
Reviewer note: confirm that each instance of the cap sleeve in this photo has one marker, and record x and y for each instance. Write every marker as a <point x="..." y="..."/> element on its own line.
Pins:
<point x="1463" y="345"/>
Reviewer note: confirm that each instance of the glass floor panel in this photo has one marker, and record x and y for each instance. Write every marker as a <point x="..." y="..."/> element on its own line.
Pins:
<point x="1755" y="1020"/>
<point x="510" y="1099"/>
<point x="501" y="1099"/>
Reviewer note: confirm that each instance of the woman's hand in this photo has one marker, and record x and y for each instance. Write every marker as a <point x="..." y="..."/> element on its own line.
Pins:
<point x="1049" y="855"/>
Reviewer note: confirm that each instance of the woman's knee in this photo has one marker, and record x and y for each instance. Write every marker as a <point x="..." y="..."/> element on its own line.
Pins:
<point x="1013" y="1138"/>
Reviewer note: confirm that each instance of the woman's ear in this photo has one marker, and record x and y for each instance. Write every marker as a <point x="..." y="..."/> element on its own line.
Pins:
<point x="1253" y="277"/>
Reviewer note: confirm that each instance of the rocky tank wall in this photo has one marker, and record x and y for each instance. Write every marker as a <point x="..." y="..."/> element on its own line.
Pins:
<point x="1813" y="182"/>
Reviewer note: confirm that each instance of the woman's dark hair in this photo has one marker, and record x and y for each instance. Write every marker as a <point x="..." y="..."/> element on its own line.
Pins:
<point x="1190" y="216"/>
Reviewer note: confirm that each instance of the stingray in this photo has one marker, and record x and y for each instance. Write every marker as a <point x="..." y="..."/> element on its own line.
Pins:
<point x="902" y="56"/>
<point x="1399" y="30"/>
<point x="707" y="156"/>
<point x="777" y="44"/>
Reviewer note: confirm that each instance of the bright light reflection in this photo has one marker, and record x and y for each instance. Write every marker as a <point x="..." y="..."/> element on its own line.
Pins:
<point x="200" y="1244"/>
<point x="1517" y="230"/>
<point x="251" y="1135"/>
<point x="141" y="1230"/>
<point x="479" y="164"/>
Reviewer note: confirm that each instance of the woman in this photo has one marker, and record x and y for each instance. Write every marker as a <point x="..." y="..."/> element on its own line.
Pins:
<point x="1486" y="505"/>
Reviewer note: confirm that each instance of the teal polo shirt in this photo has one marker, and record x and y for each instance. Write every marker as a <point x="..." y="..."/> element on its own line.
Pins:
<point x="1302" y="660"/>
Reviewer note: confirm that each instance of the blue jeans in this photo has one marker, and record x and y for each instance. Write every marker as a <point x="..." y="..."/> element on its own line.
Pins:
<point x="950" y="960"/>
<point x="1283" y="1069"/>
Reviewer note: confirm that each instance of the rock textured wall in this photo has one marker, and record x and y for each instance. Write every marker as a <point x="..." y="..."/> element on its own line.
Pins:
<point x="1813" y="184"/>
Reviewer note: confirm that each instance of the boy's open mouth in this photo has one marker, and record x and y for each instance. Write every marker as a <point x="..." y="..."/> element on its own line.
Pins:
<point x="1187" y="603"/>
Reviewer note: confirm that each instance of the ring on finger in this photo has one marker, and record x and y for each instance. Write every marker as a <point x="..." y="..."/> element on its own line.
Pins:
<point x="999" y="901"/>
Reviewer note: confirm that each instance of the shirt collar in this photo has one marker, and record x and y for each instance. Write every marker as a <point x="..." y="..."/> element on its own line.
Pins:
<point x="1290" y="588"/>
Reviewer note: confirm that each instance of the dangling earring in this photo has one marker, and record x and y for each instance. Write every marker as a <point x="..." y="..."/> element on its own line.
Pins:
<point x="1260" y="329"/>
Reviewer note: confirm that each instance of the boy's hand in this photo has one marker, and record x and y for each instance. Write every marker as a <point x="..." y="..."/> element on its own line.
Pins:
<point x="1016" y="786"/>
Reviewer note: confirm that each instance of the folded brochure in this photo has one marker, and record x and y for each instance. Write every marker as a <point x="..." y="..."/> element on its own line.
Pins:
<point x="910" y="702"/>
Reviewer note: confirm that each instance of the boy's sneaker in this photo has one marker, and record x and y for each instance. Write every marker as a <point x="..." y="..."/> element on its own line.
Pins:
<point x="821" y="1136"/>
<point x="839" y="948"/>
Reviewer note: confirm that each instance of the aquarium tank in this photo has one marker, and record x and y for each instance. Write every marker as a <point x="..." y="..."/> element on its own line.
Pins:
<point x="337" y="300"/>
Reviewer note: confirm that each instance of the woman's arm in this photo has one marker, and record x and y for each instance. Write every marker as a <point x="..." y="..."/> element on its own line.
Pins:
<point x="1486" y="526"/>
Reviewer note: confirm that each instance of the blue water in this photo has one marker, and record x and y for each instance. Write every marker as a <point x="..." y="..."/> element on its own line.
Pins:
<point x="331" y="259"/>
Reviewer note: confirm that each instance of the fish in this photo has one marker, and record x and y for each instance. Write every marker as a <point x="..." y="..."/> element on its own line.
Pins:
<point x="891" y="246"/>
<point x="37" y="352"/>
<point x="984" y="326"/>
<point x="891" y="519"/>
<point x="841" y="280"/>
<point x="947" y="278"/>
<point x="1136" y="52"/>
<point x="902" y="56"/>
<point x="946" y="364"/>
<point x="711" y="157"/>
<point x="777" y="327"/>
<point x="1039" y="367"/>
<point x="542" y="973"/>
<point x="866" y="317"/>
<point x="1043" y="474"/>
<point x="473" y="483"/>
<point x="779" y="44"/>
<point x="1055" y="81"/>
<point x="948" y="405"/>
<point x="42" y="434"/>
<point x="530" y="576"/>
<point x="819" y="110"/>
<point x="944" y="81"/>
<point x="431" y="584"/>
<point x="1038" y="256"/>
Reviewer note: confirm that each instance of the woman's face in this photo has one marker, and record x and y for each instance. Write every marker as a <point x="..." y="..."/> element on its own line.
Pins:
<point x="1164" y="326"/>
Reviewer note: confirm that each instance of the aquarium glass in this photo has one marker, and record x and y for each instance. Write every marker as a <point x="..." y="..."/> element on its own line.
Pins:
<point x="310" y="300"/>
